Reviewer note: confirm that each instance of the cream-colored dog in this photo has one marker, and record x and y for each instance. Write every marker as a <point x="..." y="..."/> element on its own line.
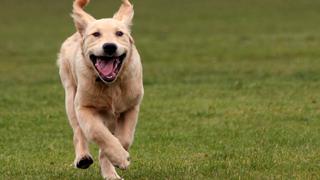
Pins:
<point x="101" y="73"/>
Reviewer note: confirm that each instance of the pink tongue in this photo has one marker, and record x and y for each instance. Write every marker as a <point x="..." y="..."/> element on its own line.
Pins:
<point x="104" y="67"/>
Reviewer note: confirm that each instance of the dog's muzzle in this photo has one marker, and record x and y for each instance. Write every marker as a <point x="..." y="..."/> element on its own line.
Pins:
<point x="107" y="67"/>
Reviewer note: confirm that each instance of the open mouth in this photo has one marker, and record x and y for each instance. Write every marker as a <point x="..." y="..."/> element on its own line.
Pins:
<point x="107" y="67"/>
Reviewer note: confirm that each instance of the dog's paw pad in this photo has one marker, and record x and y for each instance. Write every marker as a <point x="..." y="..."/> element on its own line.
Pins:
<point x="84" y="162"/>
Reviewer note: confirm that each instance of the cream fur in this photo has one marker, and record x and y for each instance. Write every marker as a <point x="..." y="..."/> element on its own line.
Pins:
<point x="105" y="113"/>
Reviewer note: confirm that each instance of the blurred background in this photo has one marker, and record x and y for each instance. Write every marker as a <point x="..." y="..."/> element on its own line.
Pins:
<point x="231" y="89"/>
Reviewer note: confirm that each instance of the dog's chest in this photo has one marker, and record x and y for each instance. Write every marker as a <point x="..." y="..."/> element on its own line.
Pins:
<point x="113" y="99"/>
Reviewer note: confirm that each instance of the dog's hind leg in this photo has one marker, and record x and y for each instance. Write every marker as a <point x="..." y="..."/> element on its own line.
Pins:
<point x="83" y="158"/>
<point x="126" y="125"/>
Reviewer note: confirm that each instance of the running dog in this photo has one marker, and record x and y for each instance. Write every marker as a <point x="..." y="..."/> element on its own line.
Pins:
<point x="101" y="73"/>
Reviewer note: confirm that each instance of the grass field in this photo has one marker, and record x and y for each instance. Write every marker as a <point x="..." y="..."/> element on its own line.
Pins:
<point x="231" y="90"/>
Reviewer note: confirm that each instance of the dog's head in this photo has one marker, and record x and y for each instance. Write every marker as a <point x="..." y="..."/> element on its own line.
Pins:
<point x="106" y="42"/>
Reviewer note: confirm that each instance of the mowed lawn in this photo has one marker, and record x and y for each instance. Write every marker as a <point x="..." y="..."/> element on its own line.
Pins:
<point x="232" y="90"/>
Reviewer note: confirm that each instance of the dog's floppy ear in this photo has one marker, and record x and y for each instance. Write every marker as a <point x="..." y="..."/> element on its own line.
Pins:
<point x="125" y="13"/>
<point x="80" y="17"/>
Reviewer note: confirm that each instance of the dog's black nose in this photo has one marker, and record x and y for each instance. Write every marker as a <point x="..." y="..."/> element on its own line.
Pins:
<point x="109" y="48"/>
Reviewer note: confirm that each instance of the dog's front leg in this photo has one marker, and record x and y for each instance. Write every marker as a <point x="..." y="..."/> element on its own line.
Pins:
<point x="91" y="123"/>
<point x="83" y="158"/>
<point x="108" y="171"/>
<point x="126" y="125"/>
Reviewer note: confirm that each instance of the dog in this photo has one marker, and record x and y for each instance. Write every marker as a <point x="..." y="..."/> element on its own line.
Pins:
<point x="101" y="72"/>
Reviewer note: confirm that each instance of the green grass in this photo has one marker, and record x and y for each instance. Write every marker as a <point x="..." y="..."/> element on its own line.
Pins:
<point x="231" y="90"/>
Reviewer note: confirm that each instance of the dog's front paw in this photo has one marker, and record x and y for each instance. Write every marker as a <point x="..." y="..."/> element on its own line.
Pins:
<point x="119" y="157"/>
<point x="122" y="162"/>
<point x="83" y="162"/>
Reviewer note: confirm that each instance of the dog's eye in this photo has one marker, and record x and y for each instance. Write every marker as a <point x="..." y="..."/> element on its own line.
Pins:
<point x="96" y="34"/>
<point x="119" y="33"/>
